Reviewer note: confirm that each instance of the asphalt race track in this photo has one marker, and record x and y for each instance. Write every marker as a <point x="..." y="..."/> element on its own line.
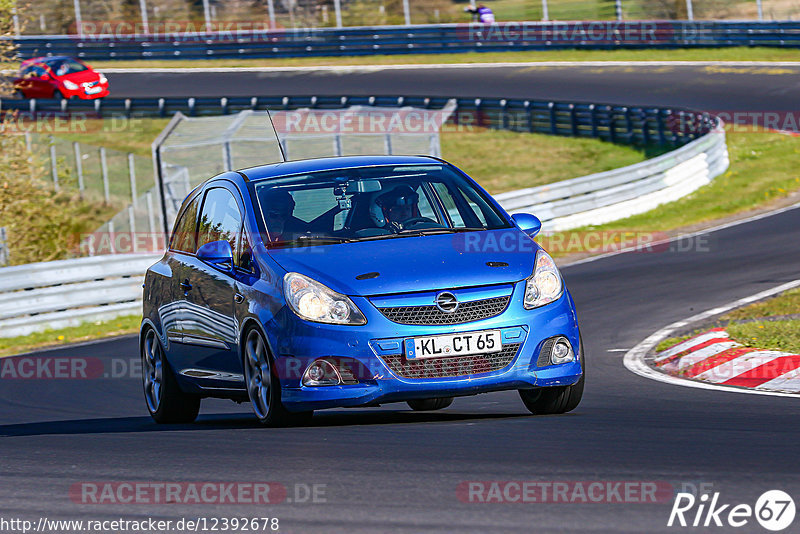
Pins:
<point x="390" y="469"/>
<point x="700" y="87"/>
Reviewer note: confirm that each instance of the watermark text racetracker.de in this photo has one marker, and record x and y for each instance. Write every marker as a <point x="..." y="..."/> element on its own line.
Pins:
<point x="149" y="524"/>
<point x="565" y="491"/>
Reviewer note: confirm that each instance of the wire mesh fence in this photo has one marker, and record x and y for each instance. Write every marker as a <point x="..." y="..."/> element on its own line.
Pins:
<point x="193" y="149"/>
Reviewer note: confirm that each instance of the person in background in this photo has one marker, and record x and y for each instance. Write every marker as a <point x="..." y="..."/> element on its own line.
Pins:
<point x="481" y="13"/>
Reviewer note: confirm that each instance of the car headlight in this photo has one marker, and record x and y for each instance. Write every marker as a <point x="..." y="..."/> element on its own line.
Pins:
<point x="545" y="285"/>
<point x="103" y="78"/>
<point x="315" y="302"/>
<point x="69" y="85"/>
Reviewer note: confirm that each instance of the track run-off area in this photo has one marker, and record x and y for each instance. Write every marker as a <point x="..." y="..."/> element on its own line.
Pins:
<point x="390" y="469"/>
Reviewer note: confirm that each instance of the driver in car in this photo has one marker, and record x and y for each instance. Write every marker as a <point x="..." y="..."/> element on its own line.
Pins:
<point x="399" y="206"/>
<point x="282" y="225"/>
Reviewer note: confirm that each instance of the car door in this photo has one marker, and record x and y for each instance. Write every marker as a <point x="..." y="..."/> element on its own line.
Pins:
<point x="207" y="319"/>
<point x="35" y="85"/>
<point x="181" y="248"/>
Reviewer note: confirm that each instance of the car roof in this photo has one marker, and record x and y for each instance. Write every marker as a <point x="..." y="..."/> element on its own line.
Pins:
<point x="275" y="170"/>
<point x="46" y="59"/>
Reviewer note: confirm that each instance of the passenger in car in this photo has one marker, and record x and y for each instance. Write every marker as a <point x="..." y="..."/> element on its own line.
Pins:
<point x="282" y="225"/>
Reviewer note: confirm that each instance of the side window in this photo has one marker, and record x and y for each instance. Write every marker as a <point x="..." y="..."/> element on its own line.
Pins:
<point x="220" y="218"/>
<point x="449" y="204"/>
<point x="183" y="236"/>
<point x="425" y="208"/>
<point x="244" y="260"/>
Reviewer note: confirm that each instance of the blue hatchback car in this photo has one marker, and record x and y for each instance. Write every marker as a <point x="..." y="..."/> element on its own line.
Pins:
<point x="354" y="281"/>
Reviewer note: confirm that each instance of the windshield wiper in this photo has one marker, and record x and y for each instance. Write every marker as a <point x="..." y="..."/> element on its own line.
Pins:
<point x="305" y="240"/>
<point x="432" y="231"/>
<point x="419" y="232"/>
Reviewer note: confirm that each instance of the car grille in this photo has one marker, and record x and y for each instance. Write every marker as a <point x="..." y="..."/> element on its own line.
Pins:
<point x="453" y="366"/>
<point x="431" y="315"/>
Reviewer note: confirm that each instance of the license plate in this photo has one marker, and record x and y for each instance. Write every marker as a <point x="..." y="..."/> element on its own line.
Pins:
<point x="93" y="90"/>
<point x="448" y="345"/>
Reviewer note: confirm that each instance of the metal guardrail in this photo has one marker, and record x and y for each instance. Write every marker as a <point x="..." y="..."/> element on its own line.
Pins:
<point x="618" y="124"/>
<point x="429" y="38"/>
<point x="613" y="195"/>
<point x="59" y="294"/>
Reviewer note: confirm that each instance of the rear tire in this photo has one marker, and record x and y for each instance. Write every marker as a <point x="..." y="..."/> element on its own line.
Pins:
<point x="264" y="386"/>
<point x="556" y="399"/>
<point x="427" y="405"/>
<point x="166" y="402"/>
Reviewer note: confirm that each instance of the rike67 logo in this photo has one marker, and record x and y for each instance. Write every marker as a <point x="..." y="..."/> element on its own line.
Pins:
<point x="774" y="510"/>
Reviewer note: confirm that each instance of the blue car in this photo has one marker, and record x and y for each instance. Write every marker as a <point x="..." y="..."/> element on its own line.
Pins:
<point x="353" y="282"/>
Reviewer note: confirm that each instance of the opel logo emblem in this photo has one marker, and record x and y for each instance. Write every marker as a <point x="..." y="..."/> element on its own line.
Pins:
<point x="447" y="302"/>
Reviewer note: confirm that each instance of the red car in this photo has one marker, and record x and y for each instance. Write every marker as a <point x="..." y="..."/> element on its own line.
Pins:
<point x="59" y="77"/>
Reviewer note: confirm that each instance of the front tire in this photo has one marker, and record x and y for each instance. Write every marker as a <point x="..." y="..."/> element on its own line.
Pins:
<point x="166" y="402"/>
<point x="264" y="387"/>
<point x="556" y="399"/>
<point x="58" y="95"/>
<point x="427" y="405"/>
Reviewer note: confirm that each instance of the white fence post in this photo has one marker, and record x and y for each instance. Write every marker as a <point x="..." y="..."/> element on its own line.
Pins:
<point x="76" y="147"/>
<point x="132" y="176"/>
<point x="104" y="169"/>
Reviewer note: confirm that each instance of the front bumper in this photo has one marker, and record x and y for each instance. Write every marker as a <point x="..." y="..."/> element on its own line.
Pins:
<point x="375" y="352"/>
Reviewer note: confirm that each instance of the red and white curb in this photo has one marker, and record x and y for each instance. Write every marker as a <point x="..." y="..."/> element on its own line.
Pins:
<point x="714" y="357"/>
<point x="712" y="360"/>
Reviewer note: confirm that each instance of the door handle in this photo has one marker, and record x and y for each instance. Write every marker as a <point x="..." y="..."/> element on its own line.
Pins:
<point x="238" y="298"/>
<point x="186" y="286"/>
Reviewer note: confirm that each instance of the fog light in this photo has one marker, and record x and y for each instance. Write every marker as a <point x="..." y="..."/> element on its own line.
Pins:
<point x="321" y="373"/>
<point x="562" y="352"/>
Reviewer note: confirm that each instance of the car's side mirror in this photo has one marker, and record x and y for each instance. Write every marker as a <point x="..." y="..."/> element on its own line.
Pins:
<point x="530" y="224"/>
<point x="216" y="253"/>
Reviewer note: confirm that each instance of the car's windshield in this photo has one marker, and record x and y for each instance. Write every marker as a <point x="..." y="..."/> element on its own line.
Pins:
<point x="370" y="203"/>
<point x="62" y="67"/>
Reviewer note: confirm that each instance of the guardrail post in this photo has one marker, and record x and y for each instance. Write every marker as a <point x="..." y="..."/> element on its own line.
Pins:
<point x="503" y="116"/>
<point x="191" y="103"/>
<point x="573" y="120"/>
<point x="337" y="145"/>
<point x="593" y="119"/>
<point x="645" y="127"/>
<point x="78" y="164"/>
<point x="132" y="176"/>
<point x="223" y="104"/>
<point x="551" y="106"/>
<point x="662" y="137"/>
<point x="628" y="124"/>
<point x="612" y="124"/>
<point x="161" y="110"/>
<point x="54" y="164"/>
<point x="104" y="169"/>
<point x="528" y="115"/>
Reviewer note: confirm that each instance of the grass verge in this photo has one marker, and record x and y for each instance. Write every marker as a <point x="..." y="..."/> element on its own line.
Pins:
<point x="770" y="335"/>
<point x="533" y="56"/>
<point x="744" y="326"/>
<point x="503" y="161"/>
<point x="128" y="324"/>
